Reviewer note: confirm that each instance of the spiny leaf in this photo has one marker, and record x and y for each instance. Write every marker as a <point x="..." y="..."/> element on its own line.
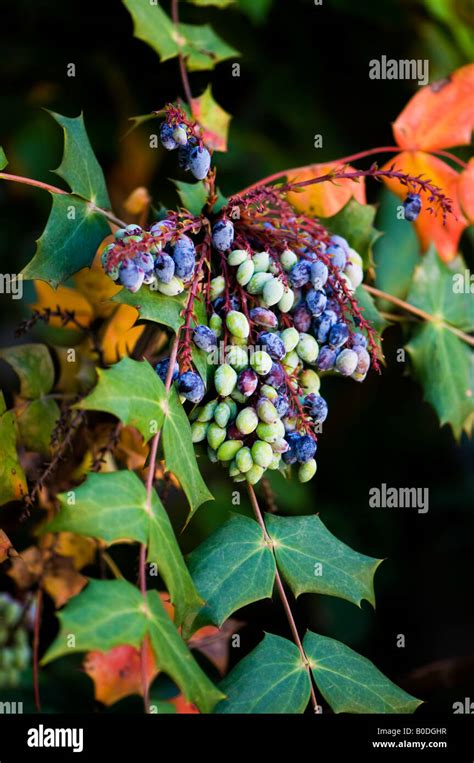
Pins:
<point x="12" y="478"/>
<point x="69" y="241"/>
<point x="213" y="119"/>
<point x="105" y="614"/>
<point x="312" y="560"/>
<point x="34" y="366"/>
<point x="112" y="507"/>
<point x="179" y="453"/>
<point x="350" y="683"/>
<point x="442" y="362"/>
<point x="153" y="306"/>
<point x="132" y="391"/>
<point x="323" y="199"/>
<point x="193" y="195"/>
<point x="232" y="568"/>
<point x="79" y="167"/>
<point x="175" y="659"/>
<point x="199" y="45"/>
<point x="271" y="679"/>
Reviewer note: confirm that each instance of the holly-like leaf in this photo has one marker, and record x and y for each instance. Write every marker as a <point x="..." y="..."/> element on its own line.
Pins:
<point x="34" y="366"/>
<point x="175" y="659"/>
<point x="466" y="191"/>
<point x="69" y="242"/>
<point x="442" y="362"/>
<point x="36" y="423"/>
<point x="271" y="679"/>
<point x="350" y="683"/>
<point x="179" y="453"/>
<point x="63" y="298"/>
<point x="105" y="614"/>
<point x="439" y="115"/>
<point x="324" y="199"/>
<point x="213" y="119"/>
<point x="355" y="222"/>
<point x="6" y="548"/>
<point x="232" y="568"/>
<point x="112" y="507"/>
<point x="312" y="560"/>
<point x="12" y="478"/>
<point x="153" y="306"/>
<point x="132" y="391"/>
<point x="79" y="166"/>
<point x="193" y="195"/>
<point x="199" y="45"/>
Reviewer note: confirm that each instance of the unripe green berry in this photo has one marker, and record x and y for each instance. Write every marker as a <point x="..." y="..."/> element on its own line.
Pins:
<point x="222" y="414"/>
<point x="291" y="361"/>
<point x="307" y="348"/>
<point x="247" y="421"/>
<point x="271" y="432"/>
<point x="254" y="474"/>
<point x="309" y="381"/>
<point x="280" y="445"/>
<point x="286" y="302"/>
<point x="261" y="362"/>
<point x="207" y="411"/>
<point x="244" y="459"/>
<point x="288" y="259"/>
<point x="234" y="470"/>
<point x="273" y="291"/>
<point x="261" y="261"/>
<point x="290" y="338"/>
<point x="307" y="470"/>
<point x="229" y="449"/>
<point x="238" y="341"/>
<point x="237" y="357"/>
<point x="237" y="257"/>
<point x="233" y="407"/>
<point x="268" y="391"/>
<point x="216" y="435"/>
<point x="212" y="455"/>
<point x="257" y="282"/>
<point x="217" y="287"/>
<point x="237" y="395"/>
<point x="355" y="258"/>
<point x="215" y="324"/>
<point x="198" y="431"/>
<point x="225" y="380"/>
<point x="171" y="289"/>
<point x="275" y="462"/>
<point x="245" y="272"/>
<point x="237" y="324"/>
<point x="266" y="411"/>
<point x="262" y="453"/>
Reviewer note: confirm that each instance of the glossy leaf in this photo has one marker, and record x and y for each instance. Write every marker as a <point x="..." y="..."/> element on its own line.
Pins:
<point x="193" y="195"/>
<point x="213" y="119"/>
<point x="312" y="560"/>
<point x="119" y="334"/>
<point x="69" y="241"/>
<point x="350" y="683"/>
<point x="271" y="679"/>
<point x="323" y="199"/>
<point x="153" y="306"/>
<point x="199" y="45"/>
<point x="179" y="453"/>
<point x="3" y="159"/>
<point x="132" y="391"/>
<point x="34" y="367"/>
<point x="232" y="568"/>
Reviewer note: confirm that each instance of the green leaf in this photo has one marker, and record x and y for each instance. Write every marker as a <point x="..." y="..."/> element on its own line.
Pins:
<point x="105" y="614"/>
<point x="3" y="159"/>
<point x="132" y="391"/>
<point x="232" y="568"/>
<point x="193" y="195"/>
<point x="350" y="683"/>
<point x="396" y="252"/>
<point x="179" y="453"/>
<point x="312" y="560"/>
<point x="34" y="366"/>
<point x="112" y="507"/>
<point x="213" y="119"/>
<point x="355" y="223"/>
<point x="36" y="423"/>
<point x="79" y="167"/>
<point x="199" y="45"/>
<point x="217" y="3"/>
<point x="271" y="679"/>
<point x="257" y="10"/>
<point x="175" y="659"/>
<point x="153" y="306"/>
<point x="371" y="313"/>
<point x="442" y="362"/>
<point x="12" y="478"/>
<point x="69" y="241"/>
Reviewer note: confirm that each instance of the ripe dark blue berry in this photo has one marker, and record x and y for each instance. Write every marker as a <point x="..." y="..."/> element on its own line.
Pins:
<point x="247" y="382"/>
<point x="164" y="267"/>
<point x="191" y="386"/>
<point x="184" y="257"/>
<point x="326" y="358"/>
<point x="290" y="457"/>
<point x="204" y="338"/>
<point x="316" y="407"/>
<point x="166" y="137"/>
<point x="223" y="235"/>
<point x="302" y="318"/>
<point x="272" y="344"/>
<point x="338" y="335"/>
<point x="161" y="369"/>
<point x="131" y="276"/>
<point x="305" y="448"/>
<point x="199" y="161"/>
<point x="412" y="206"/>
<point x="300" y="274"/>
<point x="338" y="256"/>
<point x="316" y="302"/>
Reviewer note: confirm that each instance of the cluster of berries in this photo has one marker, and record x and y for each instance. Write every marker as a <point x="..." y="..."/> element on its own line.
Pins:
<point x="280" y="321"/>
<point x="193" y="156"/>
<point x="15" y="651"/>
<point x="162" y="258"/>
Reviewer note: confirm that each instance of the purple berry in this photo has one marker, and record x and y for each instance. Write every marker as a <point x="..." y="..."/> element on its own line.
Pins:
<point x="184" y="153"/>
<point x="223" y="235"/>
<point x="325" y="323"/>
<point x="131" y="276"/>
<point x="164" y="267"/>
<point x="340" y="241"/>
<point x="302" y="318"/>
<point x="326" y="358"/>
<point x="219" y="305"/>
<point x="145" y="262"/>
<point x="199" y="161"/>
<point x="318" y="274"/>
<point x="338" y="256"/>
<point x="161" y="369"/>
<point x="316" y="302"/>
<point x="184" y="257"/>
<point x="290" y="457"/>
<point x="276" y="378"/>
<point x="412" y="206"/>
<point x="338" y="335"/>
<point x="359" y="340"/>
<point x="247" y="382"/>
<point x="204" y="338"/>
<point x="191" y="386"/>
<point x="300" y="274"/>
<point x="272" y="344"/>
<point x="316" y="407"/>
<point x="263" y="317"/>
<point x="166" y="137"/>
<point x="282" y="405"/>
<point x="305" y="447"/>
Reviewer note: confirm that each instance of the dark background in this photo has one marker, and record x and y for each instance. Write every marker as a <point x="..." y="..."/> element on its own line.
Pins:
<point x="304" y="70"/>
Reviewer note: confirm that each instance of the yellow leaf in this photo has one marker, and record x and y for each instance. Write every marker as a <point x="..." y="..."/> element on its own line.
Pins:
<point x="119" y="335"/>
<point x="96" y="286"/>
<point x="323" y="199"/>
<point x="66" y="299"/>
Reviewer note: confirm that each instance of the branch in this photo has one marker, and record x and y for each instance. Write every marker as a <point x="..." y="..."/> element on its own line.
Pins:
<point x="420" y="313"/>
<point x="282" y="595"/>
<point x="182" y="63"/>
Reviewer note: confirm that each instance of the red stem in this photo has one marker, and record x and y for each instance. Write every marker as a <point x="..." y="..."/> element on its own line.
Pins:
<point x="182" y="63"/>
<point x="36" y="635"/>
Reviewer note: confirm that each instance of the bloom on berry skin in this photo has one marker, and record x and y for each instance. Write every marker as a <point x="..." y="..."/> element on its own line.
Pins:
<point x="412" y="206"/>
<point x="191" y="386"/>
<point x="204" y="338"/>
<point x="223" y="235"/>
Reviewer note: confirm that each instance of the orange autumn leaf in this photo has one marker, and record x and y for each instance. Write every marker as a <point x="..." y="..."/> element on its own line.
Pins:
<point x="6" y="548"/>
<point x="430" y="227"/>
<point x="324" y="199"/>
<point x="117" y="673"/>
<point x="130" y="449"/>
<point x="137" y="202"/>
<point x="61" y="580"/>
<point x="440" y="115"/>
<point x="96" y="286"/>
<point x="183" y="707"/>
<point x="66" y="299"/>
<point x="119" y="335"/>
<point x="466" y="191"/>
